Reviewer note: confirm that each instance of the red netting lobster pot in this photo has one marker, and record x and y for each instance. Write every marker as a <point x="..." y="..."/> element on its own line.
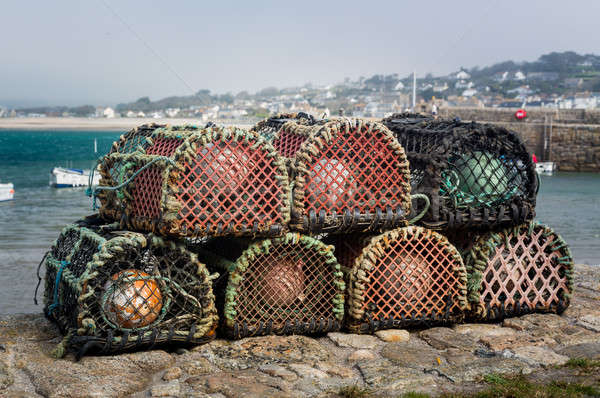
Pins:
<point x="407" y="276"/>
<point x="475" y="175"/>
<point x="110" y="290"/>
<point x="522" y="269"/>
<point x="190" y="182"/>
<point x="350" y="175"/>
<point x="287" y="285"/>
<point x="269" y="128"/>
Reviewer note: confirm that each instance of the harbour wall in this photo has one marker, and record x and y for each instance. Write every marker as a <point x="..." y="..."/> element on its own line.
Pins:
<point x="568" y="137"/>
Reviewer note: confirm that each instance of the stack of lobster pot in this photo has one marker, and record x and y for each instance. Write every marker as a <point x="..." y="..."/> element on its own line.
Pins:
<point x="482" y="186"/>
<point x="351" y="189"/>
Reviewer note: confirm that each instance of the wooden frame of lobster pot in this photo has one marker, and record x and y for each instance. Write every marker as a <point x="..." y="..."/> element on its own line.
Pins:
<point x="404" y="277"/>
<point x="349" y="175"/>
<point x="519" y="270"/>
<point x="191" y="182"/>
<point x="110" y="290"/>
<point x="286" y="285"/>
<point x="476" y="175"/>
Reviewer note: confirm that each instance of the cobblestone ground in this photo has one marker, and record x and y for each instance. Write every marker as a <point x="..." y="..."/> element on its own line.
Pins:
<point x="434" y="361"/>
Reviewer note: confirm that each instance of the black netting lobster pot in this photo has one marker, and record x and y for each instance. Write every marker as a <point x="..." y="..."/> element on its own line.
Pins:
<point x="190" y="182"/>
<point x="269" y="128"/>
<point x="404" y="277"/>
<point x="110" y="290"/>
<point x="350" y="175"/>
<point x="476" y="175"/>
<point x="522" y="269"/>
<point x="287" y="285"/>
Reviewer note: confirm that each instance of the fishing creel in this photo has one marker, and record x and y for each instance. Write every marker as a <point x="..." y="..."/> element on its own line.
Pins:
<point x="476" y="175"/>
<point x="269" y="127"/>
<point x="403" y="277"/>
<point x="110" y="290"/>
<point x="348" y="175"/>
<point x="285" y="285"/>
<point x="191" y="182"/>
<point x="519" y="270"/>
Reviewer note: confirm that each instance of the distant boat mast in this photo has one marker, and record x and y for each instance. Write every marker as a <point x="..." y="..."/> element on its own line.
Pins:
<point x="95" y="146"/>
<point x="414" y="96"/>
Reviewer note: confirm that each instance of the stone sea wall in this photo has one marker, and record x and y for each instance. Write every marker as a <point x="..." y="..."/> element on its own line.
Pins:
<point x="572" y="141"/>
<point x="434" y="361"/>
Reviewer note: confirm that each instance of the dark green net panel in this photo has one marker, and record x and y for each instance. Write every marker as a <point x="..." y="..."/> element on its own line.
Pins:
<point x="519" y="270"/>
<point x="110" y="290"/>
<point x="287" y="285"/>
<point x="475" y="175"/>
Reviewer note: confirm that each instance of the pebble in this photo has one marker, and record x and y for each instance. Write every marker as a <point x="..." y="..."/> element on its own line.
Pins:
<point x="393" y="335"/>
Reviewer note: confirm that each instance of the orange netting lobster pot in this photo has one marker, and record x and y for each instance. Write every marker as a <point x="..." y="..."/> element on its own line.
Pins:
<point x="403" y="277"/>
<point x="349" y="175"/>
<point x="522" y="269"/>
<point x="287" y="285"/>
<point x="190" y="182"/>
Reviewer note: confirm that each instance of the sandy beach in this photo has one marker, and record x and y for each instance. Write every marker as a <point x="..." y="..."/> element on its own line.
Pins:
<point x="75" y="123"/>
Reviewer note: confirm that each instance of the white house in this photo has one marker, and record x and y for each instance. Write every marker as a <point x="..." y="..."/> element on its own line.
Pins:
<point x="519" y="75"/>
<point x="108" y="113"/>
<point x="399" y="86"/>
<point x="462" y="75"/>
<point x="469" y="92"/>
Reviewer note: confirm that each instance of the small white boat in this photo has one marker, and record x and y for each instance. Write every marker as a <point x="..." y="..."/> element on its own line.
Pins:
<point x="61" y="177"/>
<point x="7" y="192"/>
<point x="546" y="168"/>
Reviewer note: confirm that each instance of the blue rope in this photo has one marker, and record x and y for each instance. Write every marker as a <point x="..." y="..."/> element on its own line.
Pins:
<point x="55" y="302"/>
<point x="93" y="193"/>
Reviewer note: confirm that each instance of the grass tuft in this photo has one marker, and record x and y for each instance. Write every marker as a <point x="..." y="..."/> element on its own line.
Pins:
<point x="582" y="363"/>
<point x="354" y="391"/>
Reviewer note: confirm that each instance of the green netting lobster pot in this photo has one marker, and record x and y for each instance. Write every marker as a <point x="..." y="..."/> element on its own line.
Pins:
<point x="269" y="128"/>
<point x="476" y="175"/>
<point x="522" y="269"/>
<point x="286" y="285"/>
<point x="350" y="175"/>
<point x="110" y="290"/>
<point x="190" y="182"/>
<point x="403" y="277"/>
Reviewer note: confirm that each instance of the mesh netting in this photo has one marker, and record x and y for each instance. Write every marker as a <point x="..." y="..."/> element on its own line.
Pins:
<point x="527" y="268"/>
<point x="269" y="128"/>
<point x="287" y="285"/>
<point x="407" y="276"/>
<point x="476" y="175"/>
<point x="201" y="182"/>
<point x="350" y="175"/>
<point x="111" y="290"/>
<point x="110" y="171"/>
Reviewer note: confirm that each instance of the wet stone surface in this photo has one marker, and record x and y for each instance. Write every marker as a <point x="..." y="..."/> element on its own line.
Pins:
<point x="435" y="360"/>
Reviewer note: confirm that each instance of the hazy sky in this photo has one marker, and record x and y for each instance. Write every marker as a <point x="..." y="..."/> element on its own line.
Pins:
<point x="108" y="51"/>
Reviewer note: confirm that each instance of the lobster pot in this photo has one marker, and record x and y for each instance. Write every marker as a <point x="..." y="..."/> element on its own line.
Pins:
<point x="350" y="175"/>
<point x="287" y="285"/>
<point x="269" y="128"/>
<point x="407" y="276"/>
<point x="522" y="269"/>
<point x="110" y="290"/>
<point x="190" y="182"/>
<point x="476" y="175"/>
<point x="110" y="173"/>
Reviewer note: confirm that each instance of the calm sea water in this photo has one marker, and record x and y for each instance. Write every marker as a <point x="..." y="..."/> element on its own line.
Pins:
<point x="568" y="202"/>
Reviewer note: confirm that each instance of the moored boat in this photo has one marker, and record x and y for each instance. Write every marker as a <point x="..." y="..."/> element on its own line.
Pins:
<point x="7" y="192"/>
<point x="61" y="177"/>
<point x="546" y="168"/>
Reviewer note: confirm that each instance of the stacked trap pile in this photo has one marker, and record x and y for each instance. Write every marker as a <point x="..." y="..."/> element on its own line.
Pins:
<point x="110" y="290"/>
<point x="482" y="186"/>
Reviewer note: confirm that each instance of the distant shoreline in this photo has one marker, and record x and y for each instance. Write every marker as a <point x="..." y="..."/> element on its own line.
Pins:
<point x="99" y="124"/>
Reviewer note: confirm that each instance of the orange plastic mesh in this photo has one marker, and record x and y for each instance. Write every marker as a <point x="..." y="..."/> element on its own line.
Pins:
<point x="288" y="143"/>
<point x="229" y="186"/>
<point x="412" y="277"/>
<point x="290" y="285"/>
<point x="525" y="274"/>
<point x="147" y="192"/>
<point x="357" y="170"/>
